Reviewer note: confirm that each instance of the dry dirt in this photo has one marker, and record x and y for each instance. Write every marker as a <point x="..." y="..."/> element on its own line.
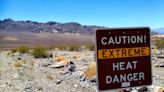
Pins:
<point x="15" y="39"/>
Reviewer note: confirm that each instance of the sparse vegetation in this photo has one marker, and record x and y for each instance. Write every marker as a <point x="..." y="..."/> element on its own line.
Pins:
<point x="61" y="47"/>
<point x="91" y="71"/>
<point x="74" y="48"/>
<point x="39" y="52"/>
<point x="160" y="43"/>
<point x="23" y="49"/>
<point x="13" y="50"/>
<point x="19" y="63"/>
<point x="33" y="63"/>
<point x="90" y="47"/>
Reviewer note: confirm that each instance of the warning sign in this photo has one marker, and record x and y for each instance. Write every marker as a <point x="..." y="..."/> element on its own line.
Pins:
<point x="123" y="58"/>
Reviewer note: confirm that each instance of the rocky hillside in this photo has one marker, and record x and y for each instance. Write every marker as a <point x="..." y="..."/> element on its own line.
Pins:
<point x="52" y="27"/>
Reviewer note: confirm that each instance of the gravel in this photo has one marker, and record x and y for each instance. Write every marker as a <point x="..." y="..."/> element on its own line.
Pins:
<point x="48" y="75"/>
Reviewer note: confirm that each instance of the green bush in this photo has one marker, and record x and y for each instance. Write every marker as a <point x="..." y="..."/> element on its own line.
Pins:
<point x="91" y="47"/>
<point x="160" y="43"/>
<point x="13" y="50"/>
<point x="39" y="52"/>
<point x="74" y="48"/>
<point x="23" y="49"/>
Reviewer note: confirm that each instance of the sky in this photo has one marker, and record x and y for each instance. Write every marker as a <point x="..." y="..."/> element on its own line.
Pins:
<point x="108" y="13"/>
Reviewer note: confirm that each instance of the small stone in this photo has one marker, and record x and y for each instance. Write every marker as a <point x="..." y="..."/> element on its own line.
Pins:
<point x="161" y="65"/>
<point x="71" y="66"/>
<point x="2" y="85"/>
<point x="143" y="89"/>
<point x="19" y="58"/>
<point x="58" y="81"/>
<point x="58" y="64"/>
<point x="82" y="78"/>
<point x="28" y="89"/>
<point x="64" y="72"/>
<point x="47" y="64"/>
<point x="75" y="85"/>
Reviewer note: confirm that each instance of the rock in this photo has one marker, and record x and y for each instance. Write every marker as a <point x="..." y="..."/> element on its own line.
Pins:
<point x="91" y="71"/>
<point x="2" y="84"/>
<point x="58" y="64"/>
<point x="76" y="56"/>
<point x="82" y="78"/>
<point x="71" y="66"/>
<point x="75" y="85"/>
<point x="28" y="89"/>
<point x="19" y="58"/>
<point x="49" y="53"/>
<point x="64" y="72"/>
<point x="47" y="64"/>
<point x="61" y="58"/>
<point x="161" y="65"/>
<point x="156" y="65"/>
<point x="143" y="89"/>
<point x="58" y="81"/>
<point x="158" y="89"/>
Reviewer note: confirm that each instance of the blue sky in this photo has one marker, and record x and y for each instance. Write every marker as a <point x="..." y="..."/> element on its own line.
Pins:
<point x="109" y="13"/>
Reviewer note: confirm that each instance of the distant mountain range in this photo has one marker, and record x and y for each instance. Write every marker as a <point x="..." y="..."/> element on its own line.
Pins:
<point x="52" y="27"/>
<point x="159" y="30"/>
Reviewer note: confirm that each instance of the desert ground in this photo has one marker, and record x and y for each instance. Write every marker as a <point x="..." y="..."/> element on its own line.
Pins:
<point x="31" y="39"/>
<point x="63" y="70"/>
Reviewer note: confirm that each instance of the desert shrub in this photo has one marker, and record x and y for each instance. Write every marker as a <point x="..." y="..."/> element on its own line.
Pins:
<point x="23" y="49"/>
<point x="160" y="43"/>
<point x="13" y="50"/>
<point x="39" y="52"/>
<point x="91" y="71"/>
<point x="19" y="63"/>
<point x="74" y="48"/>
<point x="91" y="47"/>
<point x="61" y="47"/>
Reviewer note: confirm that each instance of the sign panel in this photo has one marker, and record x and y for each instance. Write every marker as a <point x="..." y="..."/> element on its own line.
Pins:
<point x="123" y="58"/>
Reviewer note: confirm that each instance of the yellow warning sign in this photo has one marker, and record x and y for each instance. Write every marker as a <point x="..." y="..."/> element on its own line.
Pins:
<point x="123" y="52"/>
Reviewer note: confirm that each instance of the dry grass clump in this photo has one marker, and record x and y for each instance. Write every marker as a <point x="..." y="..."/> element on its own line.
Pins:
<point x="76" y="56"/>
<point x="91" y="71"/>
<point x="23" y="49"/>
<point x="19" y="63"/>
<point x="90" y="47"/>
<point x="13" y="50"/>
<point x="33" y="63"/>
<point x="49" y="77"/>
<point x="39" y="52"/>
<point x="160" y="43"/>
<point x="61" y="58"/>
<point x="74" y="48"/>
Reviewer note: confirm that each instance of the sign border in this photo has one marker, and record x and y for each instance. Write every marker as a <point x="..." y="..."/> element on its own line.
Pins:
<point x="97" y="57"/>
